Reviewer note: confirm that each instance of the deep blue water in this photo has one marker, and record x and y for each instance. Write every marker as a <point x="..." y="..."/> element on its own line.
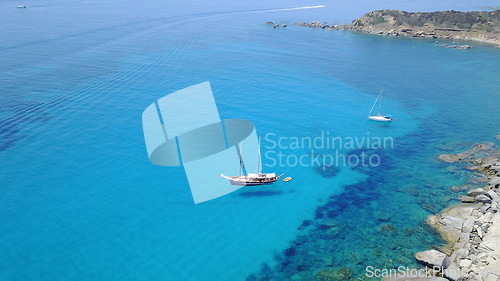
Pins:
<point x="79" y="199"/>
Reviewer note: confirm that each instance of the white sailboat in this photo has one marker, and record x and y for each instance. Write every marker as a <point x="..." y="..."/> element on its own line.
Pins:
<point x="20" y="6"/>
<point x="251" y="179"/>
<point x="380" y="116"/>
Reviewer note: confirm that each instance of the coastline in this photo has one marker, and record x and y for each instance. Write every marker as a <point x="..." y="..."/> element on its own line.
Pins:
<point x="477" y="26"/>
<point x="467" y="233"/>
<point x="441" y="34"/>
<point x="471" y="228"/>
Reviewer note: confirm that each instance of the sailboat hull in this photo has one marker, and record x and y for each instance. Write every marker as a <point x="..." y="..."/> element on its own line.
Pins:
<point x="250" y="183"/>
<point x="380" y="118"/>
<point x="253" y="179"/>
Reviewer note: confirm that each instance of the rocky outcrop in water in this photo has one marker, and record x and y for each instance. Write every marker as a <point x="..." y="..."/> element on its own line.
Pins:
<point x="457" y="157"/>
<point x="276" y="25"/>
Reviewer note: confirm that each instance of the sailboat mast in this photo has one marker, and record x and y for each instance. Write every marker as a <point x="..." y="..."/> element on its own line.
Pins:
<point x="373" y="106"/>
<point x="379" y="105"/>
<point x="258" y="159"/>
<point x="241" y="158"/>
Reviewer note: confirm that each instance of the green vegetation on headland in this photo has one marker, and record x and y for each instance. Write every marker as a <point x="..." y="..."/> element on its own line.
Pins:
<point x="477" y="25"/>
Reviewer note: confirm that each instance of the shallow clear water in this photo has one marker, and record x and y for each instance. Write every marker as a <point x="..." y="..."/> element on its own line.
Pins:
<point x="80" y="200"/>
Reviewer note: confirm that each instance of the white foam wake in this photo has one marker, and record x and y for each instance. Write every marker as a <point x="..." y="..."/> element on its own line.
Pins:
<point x="299" y="8"/>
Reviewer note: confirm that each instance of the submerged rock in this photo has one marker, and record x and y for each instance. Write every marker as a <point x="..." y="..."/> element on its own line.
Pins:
<point x="450" y="158"/>
<point x="384" y="217"/>
<point x="467" y="199"/>
<point x="327" y="171"/>
<point x="333" y="274"/>
<point x="387" y="228"/>
<point x="452" y="169"/>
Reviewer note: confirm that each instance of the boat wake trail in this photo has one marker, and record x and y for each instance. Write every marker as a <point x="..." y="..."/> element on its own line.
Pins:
<point x="298" y="8"/>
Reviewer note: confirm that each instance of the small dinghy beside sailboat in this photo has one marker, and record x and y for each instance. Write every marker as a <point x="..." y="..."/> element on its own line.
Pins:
<point x="251" y="179"/>
<point x="380" y="116"/>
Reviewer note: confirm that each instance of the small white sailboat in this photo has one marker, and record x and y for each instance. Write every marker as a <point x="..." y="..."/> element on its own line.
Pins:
<point x="380" y="116"/>
<point x="251" y="179"/>
<point x="21" y="6"/>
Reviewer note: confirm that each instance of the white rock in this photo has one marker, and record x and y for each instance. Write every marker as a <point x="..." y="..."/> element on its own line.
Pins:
<point x="432" y="258"/>
<point x="495" y="181"/>
<point x="494" y="268"/>
<point x="453" y="272"/>
<point x="483" y="198"/>
<point x="461" y="244"/>
<point x="484" y="273"/>
<point x="465" y="263"/>
<point x="494" y="196"/>
<point x="449" y="233"/>
<point x="480" y="221"/>
<point x="490" y="260"/>
<point x="495" y="206"/>
<point x="491" y="240"/>
<point x="467" y="226"/>
<point x="475" y="269"/>
<point x="454" y="222"/>
<point x="488" y="216"/>
<point x="461" y="253"/>
<point x="480" y="232"/>
<point x="490" y="277"/>
<point x="481" y="255"/>
<point x="476" y="192"/>
<point x="432" y="220"/>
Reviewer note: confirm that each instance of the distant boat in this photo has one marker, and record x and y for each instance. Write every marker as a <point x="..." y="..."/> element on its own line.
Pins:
<point x="21" y="6"/>
<point x="380" y="116"/>
<point x="251" y="179"/>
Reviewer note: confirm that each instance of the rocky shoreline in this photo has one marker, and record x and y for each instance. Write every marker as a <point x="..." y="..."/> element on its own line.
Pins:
<point x="472" y="228"/>
<point x="395" y="23"/>
<point x="348" y="237"/>
<point x="443" y="34"/>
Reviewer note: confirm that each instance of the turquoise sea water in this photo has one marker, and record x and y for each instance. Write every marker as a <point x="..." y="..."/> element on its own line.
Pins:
<point x="79" y="199"/>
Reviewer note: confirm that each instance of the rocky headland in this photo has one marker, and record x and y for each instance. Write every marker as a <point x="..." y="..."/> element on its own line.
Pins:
<point x="480" y="26"/>
<point x="471" y="229"/>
